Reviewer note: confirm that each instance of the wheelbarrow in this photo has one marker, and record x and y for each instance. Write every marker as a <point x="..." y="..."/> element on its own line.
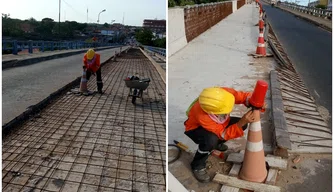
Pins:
<point x="137" y="86"/>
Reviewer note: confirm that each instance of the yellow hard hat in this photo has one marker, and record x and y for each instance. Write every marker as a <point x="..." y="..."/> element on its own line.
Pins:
<point x="215" y="100"/>
<point x="90" y="54"/>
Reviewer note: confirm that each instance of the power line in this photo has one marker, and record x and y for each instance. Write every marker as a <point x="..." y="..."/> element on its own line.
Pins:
<point x="77" y="11"/>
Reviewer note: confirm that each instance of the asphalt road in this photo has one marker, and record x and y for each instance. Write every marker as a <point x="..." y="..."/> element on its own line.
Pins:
<point x="28" y="85"/>
<point x="309" y="49"/>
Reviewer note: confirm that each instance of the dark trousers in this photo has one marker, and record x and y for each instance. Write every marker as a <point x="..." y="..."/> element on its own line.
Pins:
<point x="207" y="141"/>
<point x="98" y="78"/>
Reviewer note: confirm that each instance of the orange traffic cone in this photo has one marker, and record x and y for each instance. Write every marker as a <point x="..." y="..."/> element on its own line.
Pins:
<point x="261" y="47"/>
<point x="83" y="83"/>
<point x="254" y="165"/>
<point x="261" y="25"/>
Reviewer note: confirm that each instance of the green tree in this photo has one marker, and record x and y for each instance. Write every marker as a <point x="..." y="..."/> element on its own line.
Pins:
<point x="11" y="27"/>
<point x="144" y="36"/>
<point x="106" y="25"/>
<point x="160" y="43"/>
<point x="46" y="27"/>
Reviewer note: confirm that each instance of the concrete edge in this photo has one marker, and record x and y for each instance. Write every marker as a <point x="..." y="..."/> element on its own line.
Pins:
<point x="282" y="137"/>
<point x="161" y="72"/>
<point x="34" y="109"/>
<point x="309" y="20"/>
<point x="17" y="63"/>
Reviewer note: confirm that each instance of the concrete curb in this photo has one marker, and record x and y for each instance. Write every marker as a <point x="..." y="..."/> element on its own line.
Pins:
<point x="17" y="63"/>
<point x="161" y="72"/>
<point x="309" y="20"/>
<point x="34" y="109"/>
<point x="282" y="138"/>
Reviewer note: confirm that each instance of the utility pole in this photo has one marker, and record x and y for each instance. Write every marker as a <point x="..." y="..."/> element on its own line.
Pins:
<point x="87" y="15"/>
<point x="123" y="19"/>
<point x="59" y="21"/>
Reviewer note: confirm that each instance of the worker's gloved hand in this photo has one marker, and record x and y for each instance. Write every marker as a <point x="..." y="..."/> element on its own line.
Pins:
<point x="247" y="118"/>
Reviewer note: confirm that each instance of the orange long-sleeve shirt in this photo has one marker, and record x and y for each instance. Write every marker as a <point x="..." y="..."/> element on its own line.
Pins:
<point x="197" y="117"/>
<point x="95" y="65"/>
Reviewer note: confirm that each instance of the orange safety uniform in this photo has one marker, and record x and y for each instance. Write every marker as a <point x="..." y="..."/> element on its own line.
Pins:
<point x="197" y="117"/>
<point x="94" y="64"/>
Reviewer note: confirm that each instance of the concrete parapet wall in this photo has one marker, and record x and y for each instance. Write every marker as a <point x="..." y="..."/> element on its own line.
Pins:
<point x="176" y="30"/>
<point x="187" y="23"/>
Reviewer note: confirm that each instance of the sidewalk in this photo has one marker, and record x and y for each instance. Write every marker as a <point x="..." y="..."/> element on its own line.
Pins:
<point x="327" y="24"/>
<point x="218" y="57"/>
<point x="93" y="143"/>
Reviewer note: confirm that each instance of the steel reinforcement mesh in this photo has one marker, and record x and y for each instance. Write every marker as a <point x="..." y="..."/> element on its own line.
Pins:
<point x="94" y="143"/>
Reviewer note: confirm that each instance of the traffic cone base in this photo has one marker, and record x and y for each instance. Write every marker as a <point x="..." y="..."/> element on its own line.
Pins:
<point x="254" y="165"/>
<point x="83" y="83"/>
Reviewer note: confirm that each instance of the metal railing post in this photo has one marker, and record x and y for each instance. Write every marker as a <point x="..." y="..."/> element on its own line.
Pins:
<point x="15" y="47"/>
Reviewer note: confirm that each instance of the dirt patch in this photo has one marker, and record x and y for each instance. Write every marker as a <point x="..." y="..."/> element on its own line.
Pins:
<point x="298" y="173"/>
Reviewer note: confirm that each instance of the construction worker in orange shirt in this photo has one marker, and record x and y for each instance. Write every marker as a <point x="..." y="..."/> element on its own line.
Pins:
<point x="92" y="65"/>
<point x="209" y="124"/>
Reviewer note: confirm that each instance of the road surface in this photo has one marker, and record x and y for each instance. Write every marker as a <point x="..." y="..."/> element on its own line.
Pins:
<point x="28" y="85"/>
<point x="309" y="49"/>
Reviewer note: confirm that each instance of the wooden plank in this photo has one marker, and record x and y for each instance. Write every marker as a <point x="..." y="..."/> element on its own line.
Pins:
<point x="289" y="109"/>
<point x="305" y="125"/>
<point x="297" y="130"/>
<point x="226" y="188"/>
<point x="325" y="143"/>
<point x="295" y="137"/>
<point x="272" y="177"/>
<point x="235" y="170"/>
<point x="298" y="105"/>
<point x="297" y="97"/>
<point x="274" y="162"/>
<point x="306" y="149"/>
<point x="235" y="182"/>
<point x="307" y="120"/>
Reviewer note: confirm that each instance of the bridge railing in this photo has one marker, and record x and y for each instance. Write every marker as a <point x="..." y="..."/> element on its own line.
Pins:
<point x="327" y="14"/>
<point x="14" y="47"/>
<point x="157" y="50"/>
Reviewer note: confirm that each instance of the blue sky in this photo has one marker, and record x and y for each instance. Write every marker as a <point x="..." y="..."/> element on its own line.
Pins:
<point x="135" y="11"/>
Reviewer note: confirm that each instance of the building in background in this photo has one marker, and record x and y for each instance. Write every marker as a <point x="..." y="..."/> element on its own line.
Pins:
<point x="314" y="3"/>
<point x="155" y="25"/>
<point x="329" y="6"/>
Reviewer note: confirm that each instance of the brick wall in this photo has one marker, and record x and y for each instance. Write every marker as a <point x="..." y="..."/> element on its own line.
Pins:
<point x="199" y="18"/>
<point x="240" y="4"/>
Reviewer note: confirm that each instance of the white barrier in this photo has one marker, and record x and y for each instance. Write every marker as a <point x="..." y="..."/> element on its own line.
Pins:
<point x="176" y="30"/>
<point x="174" y="185"/>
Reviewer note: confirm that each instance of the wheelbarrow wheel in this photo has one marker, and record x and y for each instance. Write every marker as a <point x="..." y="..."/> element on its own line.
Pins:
<point x="134" y="96"/>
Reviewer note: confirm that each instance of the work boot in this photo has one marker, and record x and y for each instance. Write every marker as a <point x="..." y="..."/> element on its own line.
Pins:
<point x="201" y="175"/>
<point x="222" y="147"/>
<point x="99" y="87"/>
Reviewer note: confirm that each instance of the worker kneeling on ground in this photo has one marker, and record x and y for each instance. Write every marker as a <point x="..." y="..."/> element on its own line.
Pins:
<point x="209" y="124"/>
<point x="92" y="65"/>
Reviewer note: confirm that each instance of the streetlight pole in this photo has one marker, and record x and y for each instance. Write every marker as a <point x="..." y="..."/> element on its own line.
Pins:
<point x="98" y="18"/>
<point x="59" y="21"/>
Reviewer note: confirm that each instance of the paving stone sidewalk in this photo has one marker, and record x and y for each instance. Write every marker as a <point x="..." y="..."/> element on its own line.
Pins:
<point x="93" y="143"/>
